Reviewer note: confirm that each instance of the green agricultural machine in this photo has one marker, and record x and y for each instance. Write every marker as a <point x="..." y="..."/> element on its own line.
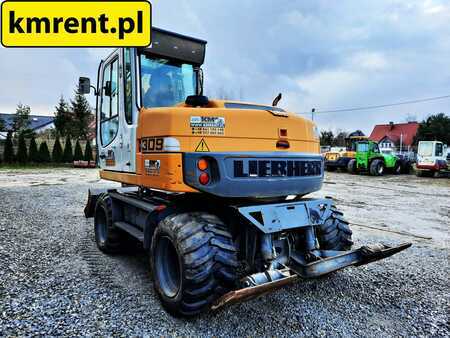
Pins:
<point x="369" y="159"/>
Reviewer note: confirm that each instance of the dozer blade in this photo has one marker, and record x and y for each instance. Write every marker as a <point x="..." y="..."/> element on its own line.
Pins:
<point x="331" y="261"/>
<point x="336" y="260"/>
<point x="245" y="294"/>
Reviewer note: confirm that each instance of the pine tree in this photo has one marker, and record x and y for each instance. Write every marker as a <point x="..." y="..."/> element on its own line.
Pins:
<point x="22" y="118"/>
<point x="22" y="156"/>
<point x="33" y="153"/>
<point x="88" y="152"/>
<point x="78" y="156"/>
<point x="68" y="151"/>
<point x="2" y="124"/>
<point x="82" y="116"/>
<point x="57" y="153"/>
<point x="63" y="118"/>
<point x="434" y="128"/>
<point x="44" y="153"/>
<point x="8" y="152"/>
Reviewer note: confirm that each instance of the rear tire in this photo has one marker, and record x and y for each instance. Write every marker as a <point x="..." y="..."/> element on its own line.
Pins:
<point x="397" y="168"/>
<point x="109" y="239"/>
<point x="377" y="168"/>
<point x="351" y="166"/>
<point x="335" y="233"/>
<point x="331" y="169"/>
<point x="424" y="173"/>
<point x="193" y="259"/>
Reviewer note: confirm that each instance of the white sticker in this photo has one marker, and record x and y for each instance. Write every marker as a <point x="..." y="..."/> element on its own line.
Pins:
<point x="207" y="125"/>
<point x="152" y="167"/>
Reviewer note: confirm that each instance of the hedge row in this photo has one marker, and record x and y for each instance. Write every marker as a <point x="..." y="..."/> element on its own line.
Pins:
<point x="41" y="154"/>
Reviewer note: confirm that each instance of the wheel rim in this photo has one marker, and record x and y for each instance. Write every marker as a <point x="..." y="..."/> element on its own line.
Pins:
<point x="101" y="228"/>
<point x="168" y="269"/>
<point x="380" y="169"/>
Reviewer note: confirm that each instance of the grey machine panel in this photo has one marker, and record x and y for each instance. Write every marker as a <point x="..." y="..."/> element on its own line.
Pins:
<point x="258" y="174"/>
<point x="270" y="218"/>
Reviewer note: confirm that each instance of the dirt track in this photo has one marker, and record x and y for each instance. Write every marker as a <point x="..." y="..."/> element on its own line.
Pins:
<point x="53" y="281"/>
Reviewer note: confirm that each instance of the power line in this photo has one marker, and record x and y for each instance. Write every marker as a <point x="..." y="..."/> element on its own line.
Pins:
<point x="380" y="106"/>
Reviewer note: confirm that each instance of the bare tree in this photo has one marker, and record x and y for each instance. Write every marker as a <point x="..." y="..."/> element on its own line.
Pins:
<point x="411" y="117"/>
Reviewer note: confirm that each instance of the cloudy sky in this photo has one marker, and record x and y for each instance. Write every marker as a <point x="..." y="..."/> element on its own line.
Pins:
<point x="319" y="54"/>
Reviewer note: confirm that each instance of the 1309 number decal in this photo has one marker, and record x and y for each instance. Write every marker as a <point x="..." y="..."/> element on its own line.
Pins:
<point x="152" y="144"/>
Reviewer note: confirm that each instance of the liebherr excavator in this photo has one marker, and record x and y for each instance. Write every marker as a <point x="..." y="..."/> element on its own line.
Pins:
<point x="214" y="189"/>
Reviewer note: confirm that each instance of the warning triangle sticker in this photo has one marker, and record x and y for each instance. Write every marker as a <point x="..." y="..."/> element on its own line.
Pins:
<point x="202" y="147"/>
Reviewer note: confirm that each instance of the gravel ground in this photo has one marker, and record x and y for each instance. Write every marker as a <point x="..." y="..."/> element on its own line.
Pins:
<point x="53" y="281"/>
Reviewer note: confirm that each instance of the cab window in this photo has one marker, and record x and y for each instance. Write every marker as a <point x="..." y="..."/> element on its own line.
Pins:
<point x="165" y="83"/>
<point x="375" y="148"/>
<point x="439" y="149"/>
<point x="362" y="147"/>
<point x="109" y="118"/>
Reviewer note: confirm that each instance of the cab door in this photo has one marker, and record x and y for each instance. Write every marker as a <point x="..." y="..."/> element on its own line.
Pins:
<point x="116" y="114"/>
<point x="362" y="155"/>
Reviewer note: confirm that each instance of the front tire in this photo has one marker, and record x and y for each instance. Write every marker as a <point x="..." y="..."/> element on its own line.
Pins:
<point x="351" y="166"/>
<point x="109" y="239"/>
<point x="193" y="259"/>
<point x="377" y="168"/>
<point x="335" y="233"/>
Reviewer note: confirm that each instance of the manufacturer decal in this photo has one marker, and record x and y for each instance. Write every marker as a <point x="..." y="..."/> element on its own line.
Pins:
<point x="110" y="160"/>
<point x="152" y="167"/>
<point x="267" y="168"/>
<point x="202" y="147"/>
<point x="207" y="125"/>
<point x="152" y="144"/>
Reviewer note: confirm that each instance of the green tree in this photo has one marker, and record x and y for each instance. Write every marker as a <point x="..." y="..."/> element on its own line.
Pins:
<point x="339" y="140"/>
<point x="21" y="121"/>
<point x="78" y="156"/>
<point x="33" y="153"/>
<point x="82" y="116"/>
<point x="434" y="128"/>
<point x="88" y="152"/>
<point x="2" y="124"/>
<point x="22" y="155"/>
<point x="68" y="151"/>
<point x="8" y="152"/>
<point x="326" y="138"/>
<point x="63" y="118"/>
<point x="57" y="153"/>
<point x="44" y="153"/>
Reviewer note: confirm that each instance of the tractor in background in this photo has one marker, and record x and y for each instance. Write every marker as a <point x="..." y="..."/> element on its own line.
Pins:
<point x="338" y="158"/>
<point x="371" y="160"/>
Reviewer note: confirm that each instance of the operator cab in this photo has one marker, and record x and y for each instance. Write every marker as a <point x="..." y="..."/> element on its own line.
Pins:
<point x="431" y="149"/>
<point x="364" y="147"/>
<point x="129" y="79"/>
<point x="432" y="153"/>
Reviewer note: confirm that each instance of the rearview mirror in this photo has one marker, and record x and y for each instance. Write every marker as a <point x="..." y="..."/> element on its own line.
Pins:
<point x="84" y="85"/>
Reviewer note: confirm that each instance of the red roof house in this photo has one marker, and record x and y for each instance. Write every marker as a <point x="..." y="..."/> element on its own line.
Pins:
<point x="390" y="135"/>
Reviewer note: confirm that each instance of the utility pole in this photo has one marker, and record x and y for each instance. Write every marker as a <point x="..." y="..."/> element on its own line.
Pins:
<point x="401" y="142"/>
<point x="312" y="113"/>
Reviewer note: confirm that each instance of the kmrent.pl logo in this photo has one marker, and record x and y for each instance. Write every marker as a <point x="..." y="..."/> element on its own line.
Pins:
<point x="76" y="23"/>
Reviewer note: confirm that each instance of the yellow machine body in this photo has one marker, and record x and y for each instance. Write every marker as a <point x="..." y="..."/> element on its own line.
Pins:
<point x="244" y="130"/>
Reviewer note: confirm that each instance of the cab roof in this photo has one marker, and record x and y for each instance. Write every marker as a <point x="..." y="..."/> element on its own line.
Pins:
<point x="178" y="47"/>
